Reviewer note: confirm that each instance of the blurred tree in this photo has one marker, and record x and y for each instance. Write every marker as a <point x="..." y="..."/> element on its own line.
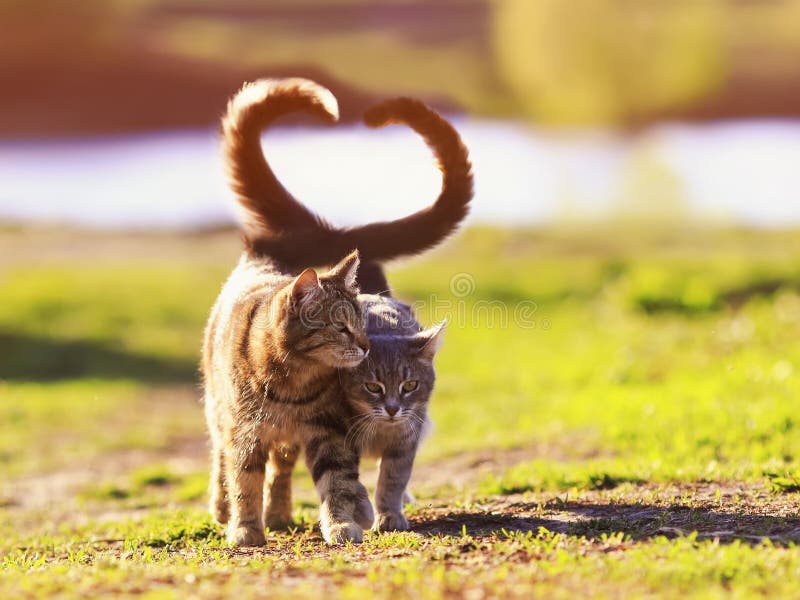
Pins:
<point x="608" y="61"/>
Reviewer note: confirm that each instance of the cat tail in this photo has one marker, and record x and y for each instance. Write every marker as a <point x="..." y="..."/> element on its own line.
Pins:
<point x="269" y="209"/>
<point x="430" y="226"/>
<point x="317" y="243"/>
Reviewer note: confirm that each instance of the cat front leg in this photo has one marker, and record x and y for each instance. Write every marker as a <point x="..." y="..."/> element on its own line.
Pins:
<point x="245" y="468"/>
<point x="394" y="472"/>
<point x="364" y="514"/>
<point x="334" y="469"/>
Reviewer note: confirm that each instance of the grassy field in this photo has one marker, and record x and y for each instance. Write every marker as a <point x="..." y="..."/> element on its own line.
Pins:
<point x="616" y="415"/>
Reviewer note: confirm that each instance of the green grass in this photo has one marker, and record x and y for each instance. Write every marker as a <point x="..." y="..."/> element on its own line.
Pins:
<point x="632" y="432"/>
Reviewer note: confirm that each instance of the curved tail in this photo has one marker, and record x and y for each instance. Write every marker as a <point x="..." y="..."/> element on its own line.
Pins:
<point x="282" y="228"/>
<point x="269" y="208"/>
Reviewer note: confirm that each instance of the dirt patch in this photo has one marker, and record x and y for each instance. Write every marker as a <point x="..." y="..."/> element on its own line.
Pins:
<point x="721" y="511"/>
<point x="60" y="487"/>
<point x="190" y="455"/>
<point x="461" y="471"/>
<point x="725" y="511"/>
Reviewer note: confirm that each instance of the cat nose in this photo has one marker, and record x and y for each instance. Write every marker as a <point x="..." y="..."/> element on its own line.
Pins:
<point x="392" y="409"/>
<point x="364" y="345"/>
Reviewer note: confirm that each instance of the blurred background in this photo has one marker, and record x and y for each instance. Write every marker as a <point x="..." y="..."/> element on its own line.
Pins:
<point x="581" y="111"/>
<point x="637" y="167"/>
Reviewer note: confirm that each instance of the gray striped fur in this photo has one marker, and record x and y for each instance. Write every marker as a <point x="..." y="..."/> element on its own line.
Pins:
<point x="400" y="352"/>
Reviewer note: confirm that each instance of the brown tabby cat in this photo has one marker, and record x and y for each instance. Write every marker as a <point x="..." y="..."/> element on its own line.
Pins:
<point x="284" y="230"/>
<point x="273" y="344"/>
<point x="272" y="349"/>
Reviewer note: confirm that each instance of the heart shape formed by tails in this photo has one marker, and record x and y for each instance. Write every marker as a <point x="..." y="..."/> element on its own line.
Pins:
<point x="278" y="225"/>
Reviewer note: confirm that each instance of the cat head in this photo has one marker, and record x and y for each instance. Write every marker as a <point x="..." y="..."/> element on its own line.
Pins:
<point x="323" y="319"/>
<point x="393" y="385"/>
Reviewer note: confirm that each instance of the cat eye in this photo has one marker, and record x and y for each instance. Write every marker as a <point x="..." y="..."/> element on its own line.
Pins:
<point x="339" y="326"/>
<point x="373" y="387"/>
<point x="409" y="386"/>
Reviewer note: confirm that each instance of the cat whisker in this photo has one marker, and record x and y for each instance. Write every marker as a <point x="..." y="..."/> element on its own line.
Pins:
<point x="414" y="424"/>
<point x="356" y="431"/>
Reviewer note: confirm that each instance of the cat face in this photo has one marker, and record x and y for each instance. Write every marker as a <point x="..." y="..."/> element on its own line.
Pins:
<point x="392" y="386"/>
<point x="325" y="322"/>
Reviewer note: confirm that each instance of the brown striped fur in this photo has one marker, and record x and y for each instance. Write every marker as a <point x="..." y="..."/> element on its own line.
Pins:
<point x="256" y="402"/>
<point x="271" y="352"/>
<point x="280" y="227"/>
<point x="269" y="208"/>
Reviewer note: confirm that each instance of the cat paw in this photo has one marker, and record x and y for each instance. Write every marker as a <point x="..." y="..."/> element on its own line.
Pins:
<point x="391" y="521"/>
<point x="246" y="535"/>
<point x="341" y="533"/>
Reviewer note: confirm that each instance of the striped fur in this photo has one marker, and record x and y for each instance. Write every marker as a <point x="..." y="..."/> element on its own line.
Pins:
<point x="280" y="227"/>
<point x="269" y="208"/>
<point x="391" y="421"/>
<point x="271" y="352"/>
<point x="257" y="426"/>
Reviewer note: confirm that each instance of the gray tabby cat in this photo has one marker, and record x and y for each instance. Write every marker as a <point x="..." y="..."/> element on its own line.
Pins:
<point x="389" y="396"/>
<point x="389" y="391"/>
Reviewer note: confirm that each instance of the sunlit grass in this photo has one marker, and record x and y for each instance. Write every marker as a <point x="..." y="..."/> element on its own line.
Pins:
<point x="177" y="553"/>
<point x="612" y="395"/>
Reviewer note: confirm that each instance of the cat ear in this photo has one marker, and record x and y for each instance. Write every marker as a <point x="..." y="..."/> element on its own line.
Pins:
<point x="346" y="270"/>
<point x="304" y="285"/>
<point x="431" y="340"/>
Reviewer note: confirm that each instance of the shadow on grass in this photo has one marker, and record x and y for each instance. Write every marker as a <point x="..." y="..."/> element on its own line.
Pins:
<point x="32" y="358"/>
<point x="478" y="524"/>
<point x="735" y="298"/>
<point x="639" y="521"/>
<point x="642" y="521"/>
